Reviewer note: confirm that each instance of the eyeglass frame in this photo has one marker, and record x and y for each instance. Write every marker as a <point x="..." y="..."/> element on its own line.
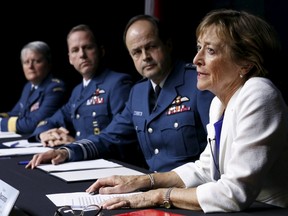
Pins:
<point x="82" y="212"/>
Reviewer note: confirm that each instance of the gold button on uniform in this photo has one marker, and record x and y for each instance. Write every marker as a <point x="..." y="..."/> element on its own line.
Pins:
<point x="96" y="131"/>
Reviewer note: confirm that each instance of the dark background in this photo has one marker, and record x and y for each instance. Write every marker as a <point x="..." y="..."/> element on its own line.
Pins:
<point x="49" y="21"/>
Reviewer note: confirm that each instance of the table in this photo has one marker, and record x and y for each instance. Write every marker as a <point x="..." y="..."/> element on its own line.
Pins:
<point x="35" y="184"/>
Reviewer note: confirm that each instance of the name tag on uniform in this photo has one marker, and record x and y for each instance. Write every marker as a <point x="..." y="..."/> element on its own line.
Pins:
<point x="137" y="113"/>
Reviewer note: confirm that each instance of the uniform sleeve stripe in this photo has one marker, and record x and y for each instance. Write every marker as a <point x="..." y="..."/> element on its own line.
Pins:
<point x="12" y="124"/>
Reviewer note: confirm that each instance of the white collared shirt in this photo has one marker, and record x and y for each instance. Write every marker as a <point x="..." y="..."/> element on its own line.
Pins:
<point x="161" y="84"/>
<point x="86" y="82"/>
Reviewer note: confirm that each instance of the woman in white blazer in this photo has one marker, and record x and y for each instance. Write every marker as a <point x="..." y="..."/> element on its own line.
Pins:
<point x="246" y="158"/>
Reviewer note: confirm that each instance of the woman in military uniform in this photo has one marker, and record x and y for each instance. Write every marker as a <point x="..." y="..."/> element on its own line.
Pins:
<point x="42" y="95"/>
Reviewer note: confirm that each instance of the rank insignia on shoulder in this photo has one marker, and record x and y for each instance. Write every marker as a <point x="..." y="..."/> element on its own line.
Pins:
<point x="56" y="80"/>
<point x="127" y="82"/>
<point x="41" y="123"/>
<point x="190" y="66"/>
<point x="58" y="89"/>
<point x="4" y="115"/>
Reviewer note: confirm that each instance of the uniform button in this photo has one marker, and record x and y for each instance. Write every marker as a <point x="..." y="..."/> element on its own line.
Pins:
<point x="77" y="116"/>
<point x="93" y="114"/>
<point x="150" y="130"/>
<point x="78" y="133"/>
<point x="156" y="151"/>
<point x="176" y="125"/>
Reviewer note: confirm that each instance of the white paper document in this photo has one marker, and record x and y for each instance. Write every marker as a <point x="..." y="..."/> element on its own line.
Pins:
<point x="9" y="134"/>
<point x="79" y="165"/>
<point x="23" y="151"/>
<point x="79" y="200"/>
<point x="93" y="174"/>
<point x="22" y="144"/>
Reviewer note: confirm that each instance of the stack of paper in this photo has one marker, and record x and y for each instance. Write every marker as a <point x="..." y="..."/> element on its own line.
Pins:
<point x="81" y="171"/>
<point x="22" y="147"/>
<point x="94" y="174"/>
<point x="9" y="134"/>
<point x="87" y="170"/>
<point x="22" y="144"/>
<point x="79" y="165"/>
<point x="78" y="200"/>
<point x="23" y="151"/>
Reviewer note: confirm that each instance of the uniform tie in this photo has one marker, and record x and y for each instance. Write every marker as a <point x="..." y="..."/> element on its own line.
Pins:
<point x="31" y="91"/>
<point x="153" y="97"/>
<point x="157" y="91"/>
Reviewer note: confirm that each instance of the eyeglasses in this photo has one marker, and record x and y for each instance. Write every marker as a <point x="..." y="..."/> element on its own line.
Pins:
<point x="87" y="210"/>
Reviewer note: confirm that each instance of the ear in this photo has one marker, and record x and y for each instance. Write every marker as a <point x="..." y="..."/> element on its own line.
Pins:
<point x="169" y="44"/>
<point x="103" y="51"/>
<point x="246" y="68"/>
<point x="69" y="59"/>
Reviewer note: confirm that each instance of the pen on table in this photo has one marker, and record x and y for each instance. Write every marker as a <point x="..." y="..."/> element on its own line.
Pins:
<point x="94" y="192"/>
<point x="14" y="144"/>
<point x="23" y="162"/>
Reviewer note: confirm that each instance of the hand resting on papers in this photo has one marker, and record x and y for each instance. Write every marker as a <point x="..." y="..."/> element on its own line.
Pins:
<point x="54" y="156"/>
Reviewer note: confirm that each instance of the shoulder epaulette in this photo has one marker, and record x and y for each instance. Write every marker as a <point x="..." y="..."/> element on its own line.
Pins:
<point x="58" y="89"/>
<point x="127" y="82"/>
<point x="190" y="66"/>
<point x="4" y="115"/>
<point x="142" y="80"/>
<point x="56" y="80"/>
<point x="41" y="123"/>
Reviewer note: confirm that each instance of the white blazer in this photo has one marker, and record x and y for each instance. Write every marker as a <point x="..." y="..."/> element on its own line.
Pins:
<point x="253" y="157"/>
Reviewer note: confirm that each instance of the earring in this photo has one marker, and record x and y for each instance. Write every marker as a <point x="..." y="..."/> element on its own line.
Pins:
<point x="241" y="76"/>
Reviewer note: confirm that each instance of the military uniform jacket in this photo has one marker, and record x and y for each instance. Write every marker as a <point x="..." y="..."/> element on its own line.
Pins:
<point x="34" y="107"/>
<point x="90" y="110"/>
<point x="173" y="134"/>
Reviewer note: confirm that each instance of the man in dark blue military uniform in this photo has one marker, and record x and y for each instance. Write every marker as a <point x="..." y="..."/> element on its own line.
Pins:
<point x="94" y="102"/>
<point x="171" y="128"/>
<point x="42" y="95"/>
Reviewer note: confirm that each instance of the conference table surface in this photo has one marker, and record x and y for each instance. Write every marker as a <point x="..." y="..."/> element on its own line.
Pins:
<point x="35" y="184"/>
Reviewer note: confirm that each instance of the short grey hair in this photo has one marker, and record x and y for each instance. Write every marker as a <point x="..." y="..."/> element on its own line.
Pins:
<point x="37" y="46"/>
